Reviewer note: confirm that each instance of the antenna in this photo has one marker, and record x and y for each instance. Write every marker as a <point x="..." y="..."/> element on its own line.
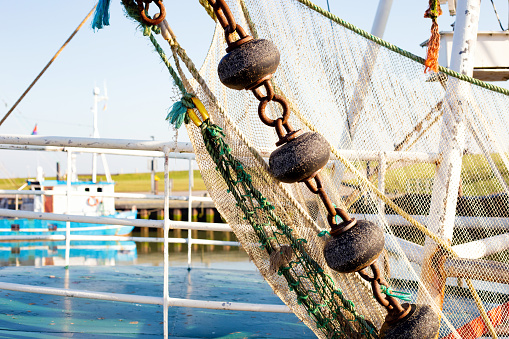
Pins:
<point x="97" y="99"/>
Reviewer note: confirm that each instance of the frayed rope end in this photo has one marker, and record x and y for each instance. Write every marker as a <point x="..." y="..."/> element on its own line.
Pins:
<point x="433" y="12"/>
<point x="178" y="112"/>
<point x="101" y="15"/>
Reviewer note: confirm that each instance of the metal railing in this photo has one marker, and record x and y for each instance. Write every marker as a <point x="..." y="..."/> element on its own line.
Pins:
<point x="132" y="148"/>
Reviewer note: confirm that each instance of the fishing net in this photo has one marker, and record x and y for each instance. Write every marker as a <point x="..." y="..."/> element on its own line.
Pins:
<point x="390" y="127"/>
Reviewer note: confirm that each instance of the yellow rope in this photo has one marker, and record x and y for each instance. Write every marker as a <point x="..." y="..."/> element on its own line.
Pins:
<point x="484" y="315"/>
<point x="208" y="9"/>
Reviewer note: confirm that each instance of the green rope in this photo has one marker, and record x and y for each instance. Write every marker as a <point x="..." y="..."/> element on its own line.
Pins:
<point x="434" y="9"/>
<point x="324" y="233"/>
<point x="396" y="294"/>
<point x="400" y="51"/>
<point x="313" y="288"/>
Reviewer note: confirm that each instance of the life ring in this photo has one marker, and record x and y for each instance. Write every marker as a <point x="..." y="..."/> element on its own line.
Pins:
<point x="93" y="201"/>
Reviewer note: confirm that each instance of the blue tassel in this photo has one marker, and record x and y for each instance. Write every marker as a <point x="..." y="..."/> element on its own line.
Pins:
<point x="102" y="14"/>
<point x="177" y="114"/>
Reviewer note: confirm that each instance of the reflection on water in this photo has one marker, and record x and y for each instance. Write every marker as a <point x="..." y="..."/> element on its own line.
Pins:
<point x="210" y="256"/>
<point x="201" y="256"/>
<point x="52" y="253"/>
<point x="121" y="253"/>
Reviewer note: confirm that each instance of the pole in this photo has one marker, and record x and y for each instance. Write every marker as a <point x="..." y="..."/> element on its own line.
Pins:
<point x="381" y="18"/>
<point x="451" y="146"/>
<point x="189" y="215"/>
<point x="166" y="230"/>
<point x="47" y="65"/>
<point x="364" y="79"/>
<point x="68" y="209"/>
<point x="95" y="134"/>
<point x="97" y="99"/>
<point x="153" y="173"/>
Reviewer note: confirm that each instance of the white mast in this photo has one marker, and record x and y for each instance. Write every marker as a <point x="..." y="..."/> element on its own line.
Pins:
<point x="381" y="18"/>
<point x="98" y="99"/>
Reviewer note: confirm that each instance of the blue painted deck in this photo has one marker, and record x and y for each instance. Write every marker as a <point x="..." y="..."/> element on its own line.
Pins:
<point x="24" y="315"/>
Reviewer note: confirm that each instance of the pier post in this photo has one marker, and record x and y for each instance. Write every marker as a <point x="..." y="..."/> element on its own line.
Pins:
<point x="209" y="217"/>
<point x="160" y="231"/>
<point x="194" y="218"/>
<point x="177" y="216"/>
<point x="144" y="232"/>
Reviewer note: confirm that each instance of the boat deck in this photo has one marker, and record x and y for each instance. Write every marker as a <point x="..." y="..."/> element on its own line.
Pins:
<point x="27" y="315"/>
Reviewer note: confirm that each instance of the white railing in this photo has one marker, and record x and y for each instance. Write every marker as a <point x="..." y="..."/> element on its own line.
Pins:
<point x="132" y="148"/>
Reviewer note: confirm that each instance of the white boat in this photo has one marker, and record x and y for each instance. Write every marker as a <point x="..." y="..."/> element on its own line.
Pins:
<point x="56" y="201"/>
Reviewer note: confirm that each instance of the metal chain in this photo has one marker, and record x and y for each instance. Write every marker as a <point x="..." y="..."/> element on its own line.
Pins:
<point x="286" y="133"/>
<point x="392" y="305"/>
<point x="143" y="8"/>
<point x="227" y="21"/>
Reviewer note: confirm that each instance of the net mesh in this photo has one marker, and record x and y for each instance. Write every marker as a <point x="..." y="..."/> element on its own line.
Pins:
<point x="392" y="125"/>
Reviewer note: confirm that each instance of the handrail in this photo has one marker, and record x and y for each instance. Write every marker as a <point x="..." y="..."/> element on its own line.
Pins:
<point x="140" y="145"/>
<point x="127" y="152"/>
<point x="96" y="145"/>
<point x="142" y="299"/>
<point x="198" y="226"/>
<point x="108" y="195"/>
<point x="121" y="147"/>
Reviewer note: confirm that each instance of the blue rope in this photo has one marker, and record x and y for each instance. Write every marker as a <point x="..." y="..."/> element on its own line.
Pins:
<point x="102" y="14"/>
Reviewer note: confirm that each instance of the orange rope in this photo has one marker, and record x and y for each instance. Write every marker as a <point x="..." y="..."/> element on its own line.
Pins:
<point x="433" y="12"/>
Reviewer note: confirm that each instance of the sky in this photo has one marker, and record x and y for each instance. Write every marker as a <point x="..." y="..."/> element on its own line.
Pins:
<point x="139" y="87"/>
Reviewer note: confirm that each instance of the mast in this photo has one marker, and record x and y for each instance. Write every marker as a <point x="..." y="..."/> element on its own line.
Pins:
<point x="381" y="18"/>
<point x="451" y="146"/>
<point x="95" y="134"/>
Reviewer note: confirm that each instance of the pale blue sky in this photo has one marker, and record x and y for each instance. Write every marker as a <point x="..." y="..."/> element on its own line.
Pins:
<point x="139" y="86"/>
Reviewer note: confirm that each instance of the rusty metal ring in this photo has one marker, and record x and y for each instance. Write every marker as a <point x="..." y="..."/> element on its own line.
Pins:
<point x="289" y="137"/>
<point x="147" y="19"/>
<point x="279" y="128"/>
<point x="243" y="36"/>
<point x="268" y="121"/>
<point x="397" y="308"/>
<point x="288" y="127"/>
<point x="268" y="89"/>
<point x="374" y="269"/>
<point x="221" y="18"/>
<point x="237" y="43"/>
<point x="221" y="5"/>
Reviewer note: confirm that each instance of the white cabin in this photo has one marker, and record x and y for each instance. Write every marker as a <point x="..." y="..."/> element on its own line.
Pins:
<point x="86" y="203"/>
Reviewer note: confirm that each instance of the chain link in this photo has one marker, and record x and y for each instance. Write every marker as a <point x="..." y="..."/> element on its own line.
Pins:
<point x="144" y="10"/>
<point x="227" y="21"/>
<point x="395" y="310"/>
